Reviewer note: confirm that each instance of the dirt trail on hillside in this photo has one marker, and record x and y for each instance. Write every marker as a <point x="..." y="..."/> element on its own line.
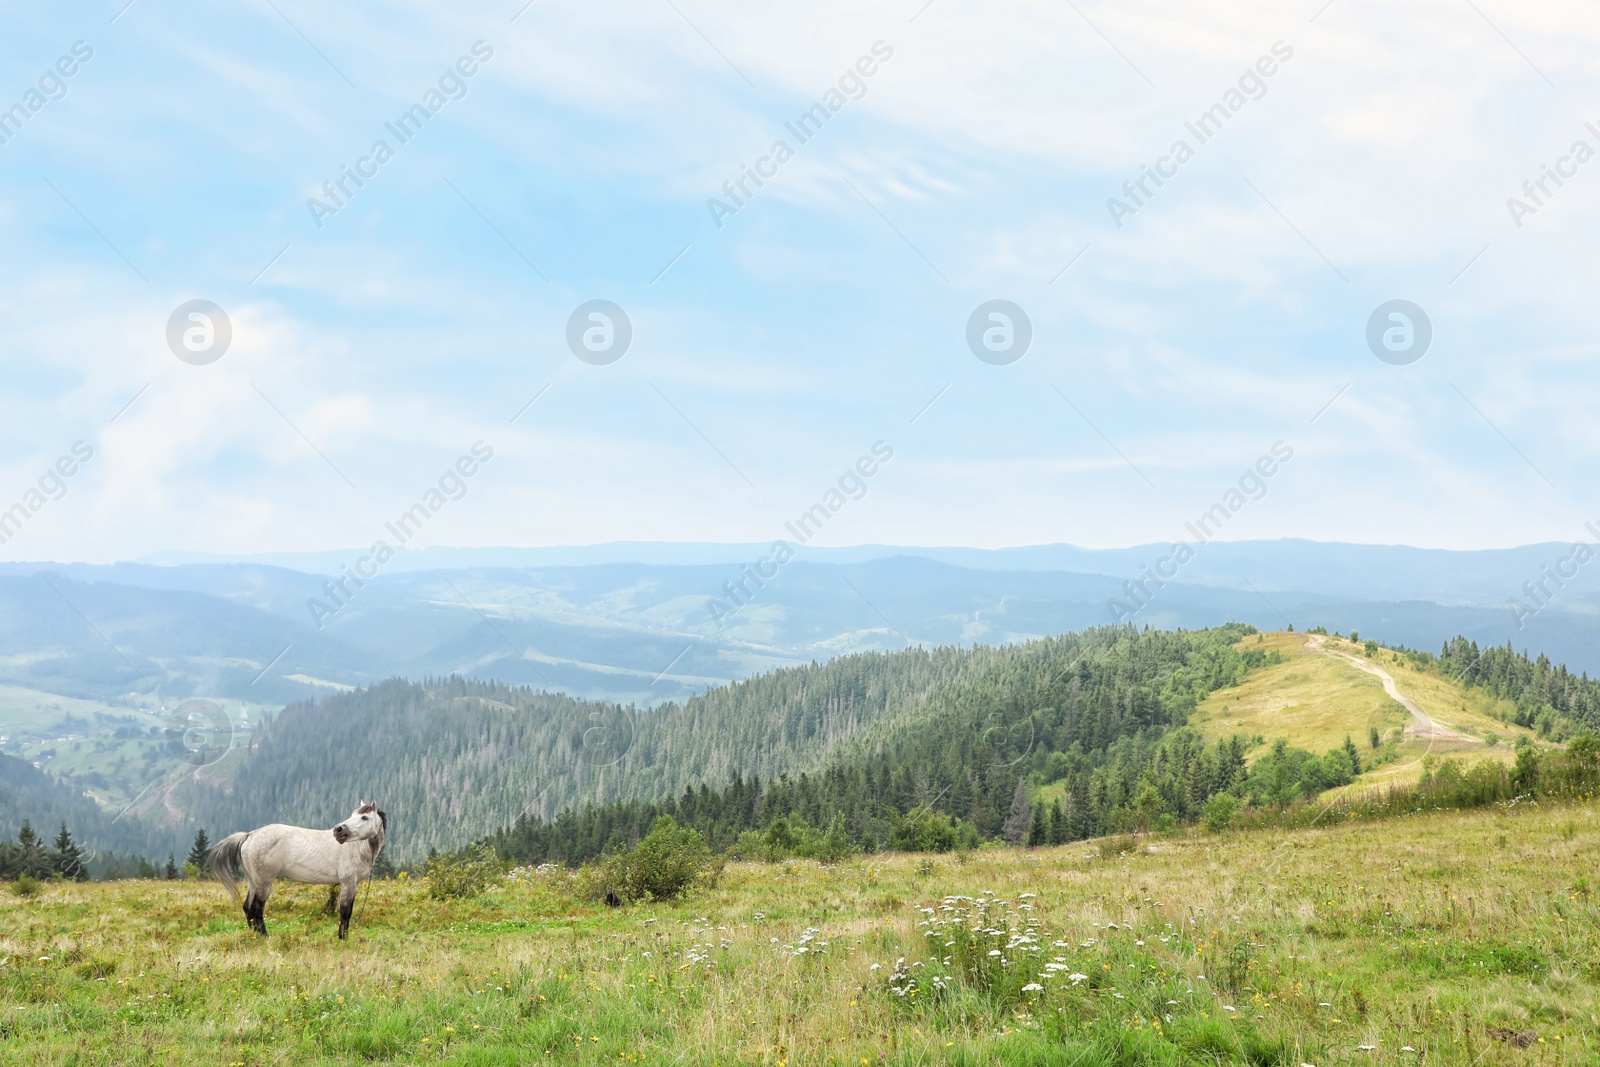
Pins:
<point x="1422" y="725"/>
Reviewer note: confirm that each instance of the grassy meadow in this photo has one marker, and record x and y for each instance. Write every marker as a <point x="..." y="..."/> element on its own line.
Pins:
<point x="1410" y="941"/>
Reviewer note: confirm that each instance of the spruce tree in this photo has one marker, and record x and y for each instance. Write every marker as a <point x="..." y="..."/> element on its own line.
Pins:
<point x="1038" y="832"/>
<point x="1354" y="754"/>
<point x="171" y="873"/>
<point x="69" y="858"/>
<point x="32" y="859"/>
<point x="1015" y="828"/>
<point x="201" y="850"/>
<point x="1058" y="823"/>
<point x="1080" y="818"/>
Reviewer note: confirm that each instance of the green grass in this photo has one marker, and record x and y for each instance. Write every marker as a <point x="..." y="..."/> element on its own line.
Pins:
<point x="1424" y="932"/>
<point x="1314" y="700"/>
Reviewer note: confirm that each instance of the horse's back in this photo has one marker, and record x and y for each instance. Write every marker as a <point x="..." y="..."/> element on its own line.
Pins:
<point x="296" y="852"/>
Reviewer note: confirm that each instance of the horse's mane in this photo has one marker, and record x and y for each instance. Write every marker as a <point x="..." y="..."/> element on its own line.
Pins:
<point x="370" y="807"/>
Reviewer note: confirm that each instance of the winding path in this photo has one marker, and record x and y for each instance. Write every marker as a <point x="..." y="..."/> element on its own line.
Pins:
<point x="1422" y="725"/>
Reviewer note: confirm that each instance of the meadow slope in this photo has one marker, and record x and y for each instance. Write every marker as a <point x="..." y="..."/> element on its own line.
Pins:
<point x="1323" y="691"/>
<point x="1401" y="942"/>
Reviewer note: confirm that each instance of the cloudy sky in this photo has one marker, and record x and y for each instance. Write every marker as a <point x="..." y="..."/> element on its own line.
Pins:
<point x="379" y="332"/>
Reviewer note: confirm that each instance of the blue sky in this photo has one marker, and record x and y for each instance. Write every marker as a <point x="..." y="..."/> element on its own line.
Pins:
<point x="1228" y="313"/>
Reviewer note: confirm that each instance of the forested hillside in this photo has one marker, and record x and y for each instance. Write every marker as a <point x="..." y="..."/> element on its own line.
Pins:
<point x="451" y="759"/>
<point x="1543" y="692"/>
<point x="1060" y="740"/>
<point x="27" y="794"/>
<point x="1095" y="711"/>
<point x="1049" y="741"/>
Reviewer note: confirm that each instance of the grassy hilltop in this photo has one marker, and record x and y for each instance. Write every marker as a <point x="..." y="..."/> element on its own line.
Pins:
<point x="1408" y="941"/>
<point x="1315" y="697"/>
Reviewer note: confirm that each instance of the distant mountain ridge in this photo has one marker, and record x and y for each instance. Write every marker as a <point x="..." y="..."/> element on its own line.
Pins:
<point x="1350" y="571"/>
<point x="646" y="632"/>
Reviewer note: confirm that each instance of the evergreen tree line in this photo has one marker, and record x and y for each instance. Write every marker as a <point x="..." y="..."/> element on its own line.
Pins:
<point x="31" y="856"/>
<point x="924" y="748"/>
<point x="66" y="860"/>
<point x="1544" y="693"/>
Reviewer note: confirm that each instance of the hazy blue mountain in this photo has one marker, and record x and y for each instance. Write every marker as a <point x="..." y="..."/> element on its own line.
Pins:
<point x="1348" y="571"/>
<point x="595" y="623"/>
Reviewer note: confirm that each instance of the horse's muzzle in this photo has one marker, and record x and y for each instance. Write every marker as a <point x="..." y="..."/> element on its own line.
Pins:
<point x="340" y="834"/>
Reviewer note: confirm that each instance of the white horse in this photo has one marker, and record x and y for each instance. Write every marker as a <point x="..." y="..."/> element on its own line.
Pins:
<point x="341" y="856"/>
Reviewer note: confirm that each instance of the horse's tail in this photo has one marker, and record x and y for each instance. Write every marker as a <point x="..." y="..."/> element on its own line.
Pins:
<point x="227" y="864"/>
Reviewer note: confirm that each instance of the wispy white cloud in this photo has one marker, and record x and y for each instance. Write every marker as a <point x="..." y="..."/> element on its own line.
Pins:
<point x="812" y="323"/>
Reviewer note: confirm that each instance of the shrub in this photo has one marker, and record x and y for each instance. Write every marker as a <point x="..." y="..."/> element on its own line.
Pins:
<point x="26" y="885"/>
<point x="1112" y="847"/>
<point x="1219" y="812"/>
<point x="454" y="877"/>
<point x="780" y="839"/>
<point x="923" y="831"/>
<point x="749" y="846"/>
<point x="668" y="862"/>
<point x="836" y="844"/>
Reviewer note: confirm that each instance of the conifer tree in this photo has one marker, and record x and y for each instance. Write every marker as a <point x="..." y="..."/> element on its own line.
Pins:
<point x="31" y="857"/>
<point x="1039" y="831"/>
<point x="1354" y="754"/>
<point x="1018" y="822"/>
<point x="201" y="850"/>
<point x="69" y="858"/>
<point x="836" y="844"/>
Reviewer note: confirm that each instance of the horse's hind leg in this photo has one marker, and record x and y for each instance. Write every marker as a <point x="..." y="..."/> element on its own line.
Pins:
<point x="347" y="902"/>
<point x="255" y="906"/>
<point x="333" y="900"/>
<point x="250" y="909"/>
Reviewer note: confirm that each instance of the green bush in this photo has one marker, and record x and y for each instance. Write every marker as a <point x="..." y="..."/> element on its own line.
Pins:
<point x="26" y="885"/>
<point x="750" y="846"/>
<point x="836" y="844"/>
<point x="1219" y="812"/>
<point x="668" y="862"/>
<point x="454" y="877"/>
<point x="923" y="831"/>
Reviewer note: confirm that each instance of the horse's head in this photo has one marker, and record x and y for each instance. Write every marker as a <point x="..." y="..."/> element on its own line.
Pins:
<point x="366" y="823"/>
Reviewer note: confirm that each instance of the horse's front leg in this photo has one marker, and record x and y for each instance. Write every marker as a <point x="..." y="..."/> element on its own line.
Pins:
<point x="347" y="902"/>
